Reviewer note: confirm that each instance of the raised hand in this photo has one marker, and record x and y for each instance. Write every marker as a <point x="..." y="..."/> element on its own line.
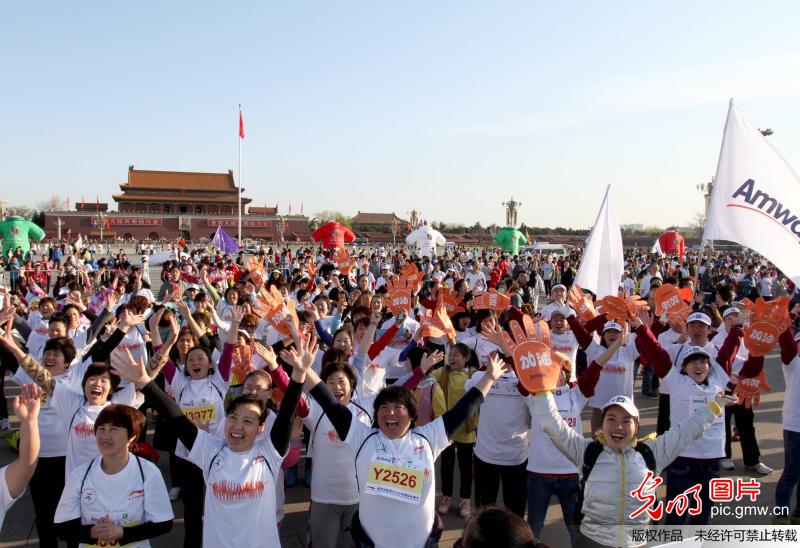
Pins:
<point x="129" y="369"/>
<point x="429" y="360"/>
<point x="27" y="404"/>
<point x="237" y="313"/>
<point x="267" y="354"/>
<point x="495" y="366"/>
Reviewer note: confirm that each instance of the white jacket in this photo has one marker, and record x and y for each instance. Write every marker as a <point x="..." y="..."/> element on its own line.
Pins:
<point x="606" y="507"/>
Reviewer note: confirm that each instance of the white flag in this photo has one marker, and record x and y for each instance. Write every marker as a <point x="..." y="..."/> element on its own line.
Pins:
<point x="756" y="197"/>
<point x="657" y="248"/>
<point x="602" y="264"/>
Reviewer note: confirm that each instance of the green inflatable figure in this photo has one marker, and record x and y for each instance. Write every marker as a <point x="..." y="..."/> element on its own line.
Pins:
<point x="17" y="232"/>
<point x="510" y="239"/>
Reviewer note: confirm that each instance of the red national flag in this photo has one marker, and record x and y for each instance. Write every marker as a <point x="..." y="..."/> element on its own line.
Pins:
<point x="241" y="123"/>
<point x="181" y="242"/>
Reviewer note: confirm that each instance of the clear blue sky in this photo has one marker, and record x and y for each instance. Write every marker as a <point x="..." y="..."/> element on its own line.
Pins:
<point x="446" y="107"/>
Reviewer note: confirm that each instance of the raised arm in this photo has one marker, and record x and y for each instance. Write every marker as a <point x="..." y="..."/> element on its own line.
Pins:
<point x="280" y="379"/>
<point x="36" y="371"/>
<point x="166" y="406"/>
<point x="651" y="349"/>
<point x="583" y="337"/>
<point x="26" y="408"/>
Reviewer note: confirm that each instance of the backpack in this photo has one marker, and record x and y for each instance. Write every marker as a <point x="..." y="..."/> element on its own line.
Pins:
<point x="425" y="405"/>
<point x="593" y="451"/>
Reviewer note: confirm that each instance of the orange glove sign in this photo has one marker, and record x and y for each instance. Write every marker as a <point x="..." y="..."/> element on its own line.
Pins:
<point x="491" y="300"/>
<point x="620" y="308"/>
<point x="670" y="301"/>
<point x="749" y="390"/>
<point x="536" y="369"/>
<point x="766" y="322"/>
<point x="436" y="322"/>
<point x="452" y="303"/>
<point x="342" y="259"/>
<point x="581" y="303"/>
<point x="413" y="274"/>
<point x="399" y="295"/>
<point x="275" y="311"/>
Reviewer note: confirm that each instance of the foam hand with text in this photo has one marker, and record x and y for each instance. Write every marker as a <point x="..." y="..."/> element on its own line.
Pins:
<point x="275" y="310"/>
<point x="534" y="363"/>
<point x="436" y="322"/>
<point x="452" y="303"/>
<point x="343" y="260"/>
<point x="670" y="302"/>
<point x="399" y="294"/>
<point x="490" y="300"/>
<point x="621" y="308"/>
<point x="766" y="321"/>
<point x="581" y="303"/>
<point x="748" y="391"/>
<point x="412" y="274"/>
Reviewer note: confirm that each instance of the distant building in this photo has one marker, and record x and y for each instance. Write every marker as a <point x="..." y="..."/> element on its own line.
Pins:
<point x="168" y="204"/>
<point x="637" y="226"/>
<point x="378" y="222"/>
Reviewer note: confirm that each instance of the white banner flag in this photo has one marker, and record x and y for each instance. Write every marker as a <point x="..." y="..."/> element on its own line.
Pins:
<point x="756" y="197"/>
<point x="603" y="261"/>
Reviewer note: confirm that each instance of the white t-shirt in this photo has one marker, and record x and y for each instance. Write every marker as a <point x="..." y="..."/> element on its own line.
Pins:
<point x="678" y="351"/>
<point x="52" y="433"/>
<point x="685" y="397"/>
<point x="543" y="456"/>
<point x="503" y="422"/>
<point x="6" y="500"/>
<point x="547" y="271"/>
<point x="791" y="400"/>
<point x="331" y="482"/>
<point x="426" y="239"/>
<point x="567" y="344"/>
<point x="132" y="496"/>
<point x="409" y="461"/>
<point x="78" y="417"/>
<point x="201" y="400"/>
<point x="616" y="376"/>
<point x="475" y="280"/>
<point x="240" y="489"/>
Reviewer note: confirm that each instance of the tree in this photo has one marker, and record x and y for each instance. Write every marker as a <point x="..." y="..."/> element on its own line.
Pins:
<point x="22" y="211"/>
<point x="326" y="216"/>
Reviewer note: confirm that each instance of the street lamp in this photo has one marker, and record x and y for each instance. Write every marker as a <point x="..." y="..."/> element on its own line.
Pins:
<point x="101" y="220"/>
<point x="395" y="227"/>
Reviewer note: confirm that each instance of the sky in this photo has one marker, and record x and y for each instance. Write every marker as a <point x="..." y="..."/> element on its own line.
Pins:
<point x="449" y="108"/>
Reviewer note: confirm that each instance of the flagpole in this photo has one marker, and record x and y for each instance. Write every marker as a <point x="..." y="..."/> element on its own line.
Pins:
<point x="240" y="180"/>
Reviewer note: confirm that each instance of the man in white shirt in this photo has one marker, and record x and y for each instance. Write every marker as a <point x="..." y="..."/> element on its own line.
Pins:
<point x="476" y="280"/>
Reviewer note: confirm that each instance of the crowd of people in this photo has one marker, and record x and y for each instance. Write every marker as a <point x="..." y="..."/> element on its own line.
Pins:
<point x="368" y="370"/>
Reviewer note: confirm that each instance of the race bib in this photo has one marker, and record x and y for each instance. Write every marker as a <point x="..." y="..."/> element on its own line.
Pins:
<point x="398" y="478"/>
<point x="200" y="414"/>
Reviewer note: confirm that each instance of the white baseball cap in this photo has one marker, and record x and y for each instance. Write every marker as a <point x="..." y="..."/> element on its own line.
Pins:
<point x="557" y="286"/>
<point x="695" y="351"/>
<point x="612" y="325"/>
<point x="699" y="317"/>
<point x="625" y="402"/>
<point x="729" y="311"/>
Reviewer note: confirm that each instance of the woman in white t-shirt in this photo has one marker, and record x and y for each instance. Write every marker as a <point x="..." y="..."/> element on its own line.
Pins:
<point x="117" y="498"/>
<point x="394" y="459"/>
<point x="239" y="472"/>
<point x="77" y="411"/>
<point x="199" y="389"/>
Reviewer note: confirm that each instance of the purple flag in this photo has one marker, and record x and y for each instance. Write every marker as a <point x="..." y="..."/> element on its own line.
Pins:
<point x="225" y="242"/>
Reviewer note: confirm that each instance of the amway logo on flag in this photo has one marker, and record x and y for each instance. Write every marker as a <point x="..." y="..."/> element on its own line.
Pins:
<point x="768" y="206"/>
<point x="756" y="197"/>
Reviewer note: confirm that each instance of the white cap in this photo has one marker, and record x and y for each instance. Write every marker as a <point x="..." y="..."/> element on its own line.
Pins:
<point x="696" y="351"/>
<point x="625" y="402"/>
<point x="192" y="286"/>
<point x="612" y="325"/>
<point x="729" y="311"/>
<point x="557" y="286"/>
<point x="699" y="317"/>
